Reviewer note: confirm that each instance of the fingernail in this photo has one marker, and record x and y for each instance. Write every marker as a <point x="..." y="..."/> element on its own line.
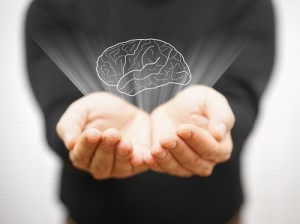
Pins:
<point x="148" y="158"/>
<point x="110" y="140"/>
<point x="111" y="136"/>
<point x="137" y="159"/>
<point x="92" y="136"/>
<point x="169" y="141"/>
<point x="185" y="134"/>
<point x="222" y="129"/>
<point x="172" y="145"/>
<point x="162" y="155"/>
<point x="92" y="139"/>
<point x="111" y="133"/>
<point x="158" y="151"/>
<point x="125" y="148"/>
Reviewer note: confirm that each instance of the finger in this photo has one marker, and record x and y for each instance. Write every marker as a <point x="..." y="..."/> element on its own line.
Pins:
<point x="168" y="163"/>
<point x="71" y="124"/>
<point x="199" y="120"/>
<point x="137" y="158"/>
<point x="202" y="143"/>
<point x="103" y="160"/>
<point x="220" y="115"/>
<point x="186" y="156"/>
<point x="122" y="166"/>
<point x="151" y="162"/>
<point x="85" y="147"/>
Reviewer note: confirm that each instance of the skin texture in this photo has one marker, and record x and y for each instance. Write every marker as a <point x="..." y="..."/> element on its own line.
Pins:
<point x="186" y="136"/>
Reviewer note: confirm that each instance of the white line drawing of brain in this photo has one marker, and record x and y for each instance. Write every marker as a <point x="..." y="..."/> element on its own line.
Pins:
<point x="141" y="64"/>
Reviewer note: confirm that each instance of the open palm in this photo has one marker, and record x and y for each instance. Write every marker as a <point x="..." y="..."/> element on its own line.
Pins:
<point x="187" y="135"/>
<point x="191" y="133"/>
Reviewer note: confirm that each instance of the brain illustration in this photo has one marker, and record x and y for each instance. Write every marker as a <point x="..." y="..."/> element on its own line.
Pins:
<point x="141" y="64"/>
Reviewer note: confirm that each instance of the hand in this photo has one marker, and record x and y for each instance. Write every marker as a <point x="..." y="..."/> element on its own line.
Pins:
<point x="106" y="136"/>
<point x="191" y="133"/>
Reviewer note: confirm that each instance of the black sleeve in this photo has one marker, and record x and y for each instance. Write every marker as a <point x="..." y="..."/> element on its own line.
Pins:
<point x="245" y="81"/>
<point x="53" y="91"/>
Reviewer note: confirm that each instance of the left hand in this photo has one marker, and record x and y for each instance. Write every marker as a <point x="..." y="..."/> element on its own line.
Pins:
<point x="191" y="133"/>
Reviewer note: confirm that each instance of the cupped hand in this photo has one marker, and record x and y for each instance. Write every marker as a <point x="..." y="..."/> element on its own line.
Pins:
<point x="109" y="137"/>
<point x="191" y="133"/>
<point x="106" y="136"/>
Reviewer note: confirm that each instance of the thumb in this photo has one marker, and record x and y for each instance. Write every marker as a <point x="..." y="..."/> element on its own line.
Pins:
<point x="220" y="115"/>
<point x="70" y="125"/>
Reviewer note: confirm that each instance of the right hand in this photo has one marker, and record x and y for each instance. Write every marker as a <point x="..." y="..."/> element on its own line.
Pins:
<point x="100" y="131"/>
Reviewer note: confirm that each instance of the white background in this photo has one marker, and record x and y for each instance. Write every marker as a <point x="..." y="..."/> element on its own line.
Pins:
<point x="29" y="170"/>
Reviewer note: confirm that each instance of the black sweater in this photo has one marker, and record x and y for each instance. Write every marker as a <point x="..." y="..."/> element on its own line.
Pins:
<point x="153" y="197"/>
